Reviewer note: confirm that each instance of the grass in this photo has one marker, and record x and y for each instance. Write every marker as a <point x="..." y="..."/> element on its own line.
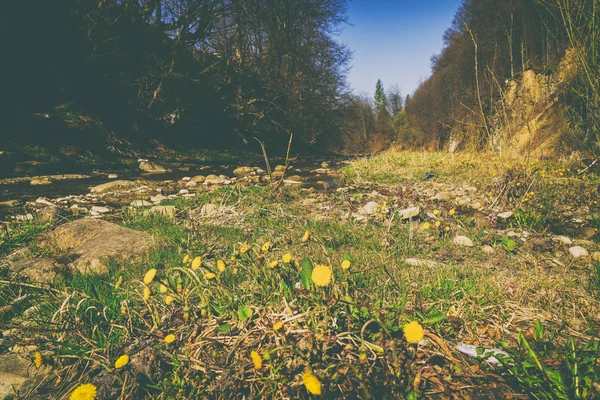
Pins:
<point x="349" y="333"/>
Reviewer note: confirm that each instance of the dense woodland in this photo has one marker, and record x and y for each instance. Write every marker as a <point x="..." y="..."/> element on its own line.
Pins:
<point x="221" y="72"/>
<point x="493" y="41"/>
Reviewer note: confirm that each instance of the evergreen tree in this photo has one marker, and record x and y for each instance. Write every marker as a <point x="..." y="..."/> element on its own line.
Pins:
<point x="380" y="97"/>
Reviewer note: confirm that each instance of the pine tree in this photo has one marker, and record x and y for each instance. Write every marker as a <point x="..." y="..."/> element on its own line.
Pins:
<point x="380" y="98"/>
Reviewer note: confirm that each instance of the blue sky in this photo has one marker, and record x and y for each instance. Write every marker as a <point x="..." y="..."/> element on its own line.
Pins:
<point x="394" y="40"/>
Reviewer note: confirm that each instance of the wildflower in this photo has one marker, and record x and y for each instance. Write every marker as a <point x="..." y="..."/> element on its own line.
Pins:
<point x="186" y="259"/>
<point x="122" y="361"/>
<point x="149" y="276"/>
<point x="38" y="360"/>
<point x="147" y="292"/>
<point x="235" y="272"/>
<point x="437" y="224"/>
<point x="311" y="382"/>
<point x="321" y="275"/>
<point x="169" y="338"/>
<point x="163" y="288"/>
<point x="306" y="236"/>
<point x="123" y="310"/>
<point x="196" y="263"/>
<point x="266" y="247"/>
<point x="287" y="258"/>
<point x="345" y="264"/>
<point x="413" y="332"/>
<point x="426" y="226"/>
<point x="84" y="392"/>
<point x="273" y="263"/>
<point x="256" y="359"/>
<point x="452" y="211"/>
<point x="209" y="275"/>
<point x="436" y="212"/>
<point x="169" y="300"/>
<point x="221" y="265"/>
<point x="277" y="325"/>
<point x="119" y="282"/>
<point x="244" y="249"/>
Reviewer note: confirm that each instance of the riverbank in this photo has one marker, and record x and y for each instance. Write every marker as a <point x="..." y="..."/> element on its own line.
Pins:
<point x="243" y="288"/>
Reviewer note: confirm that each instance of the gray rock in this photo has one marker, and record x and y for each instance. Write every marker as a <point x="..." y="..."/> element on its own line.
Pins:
<point x="368" y="209"/>
<point x="243" y="171"/>
<point x="199" y="179"/>
<point x="214" y="180"/>
<point x="416" y="262"/>
<point x="36" y="269"/>
<point x="463" y="241"/>
<point x="443" y="196"/>
<point x="112" y="186"/>
<point x="165" y="211"/>
<point x="409" y="212"/>
<point x="578" y="251"/>
<point x="158" y="198"/>
<point x="505" y="215"/>
<point x="113" y="176"/>
<point x="488" y="249"/>
<point x="89" y="242"/>
<point x="98" y="209"/>
<point x="564" y="240"/>
<point x="152" y="167"/>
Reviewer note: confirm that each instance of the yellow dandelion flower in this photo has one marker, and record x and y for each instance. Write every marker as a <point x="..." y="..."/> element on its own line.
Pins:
<point x="273" y="263"/>
<point x="38" y="360"/>
<point x="267" y="246"/>
<point x="311" y="382"/>
<point x="235" y="272"/>
<point x="123" y="310"/>
<point x="209" y="275"/>
<point x="413" y="332"/>
<point x="196" y="263"/>
<point x="277" y="325"/>
<point x="306" y="236"/>
<point x="186" y="259"/>
<point x="447" y="228"/>
<point x="345" y="264"/>
<point x="163" y="288"/>
<point x="437" y="224"/>
<point x="426" y="226"/>
<point x="122" y="361"/>
<point x="321" y="275"/>
<point x="287" y="258"/>
<point x="169" y="338"/>
<point x="119" y="282"/>
<point x="169" y="300"/>
<point x="149" y="276"/>
<point x="84" y="392"/>
<point x="221" y="265"/>
<point x="436" y="212"/>
<point x="256" y="359"/>
<point x="244" y="249"/>
<point x="452" y="211"/>
<point x="147" y="293"/>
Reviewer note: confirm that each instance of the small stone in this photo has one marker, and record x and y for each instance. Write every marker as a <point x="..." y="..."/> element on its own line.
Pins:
<point x="158" y="198"/>
<point x="409" y="212"/>
<point x="368" y="209"/>
<point x="184" y="191"/>
<point x="40" y="181"/>
<point x="578" y="251"/>
<point x="98" y="209"/>
<point x="416" y="262"/>
<point x="214" y="180"/>
<point x="324" y="164"/>
<point x="208" y="210"/>
<point x="113" y="176"/>
<point x="140" y="203"/>
<point x="186" y="178"/>
<point x="443" y="196"/>
<point x="505" y="215"/>
<point x="564" y="240"/>
<point x="199" y="179"/>
<point x="488" y="249"/>
<point x="44" y="201"/>
<point x="463" y="241"/>
<point x="165" y="211"/>
<point x="191" y="184"/>
<point x="242" y="171"/>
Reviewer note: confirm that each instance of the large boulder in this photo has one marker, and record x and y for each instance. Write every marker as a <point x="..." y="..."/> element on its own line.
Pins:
<point x="92" y="242"/>
<point x="152" y="167"/>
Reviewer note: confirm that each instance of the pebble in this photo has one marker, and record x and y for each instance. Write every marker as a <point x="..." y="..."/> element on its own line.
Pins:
<point x="463" y="241"/>
<point x="578" y="251"/>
